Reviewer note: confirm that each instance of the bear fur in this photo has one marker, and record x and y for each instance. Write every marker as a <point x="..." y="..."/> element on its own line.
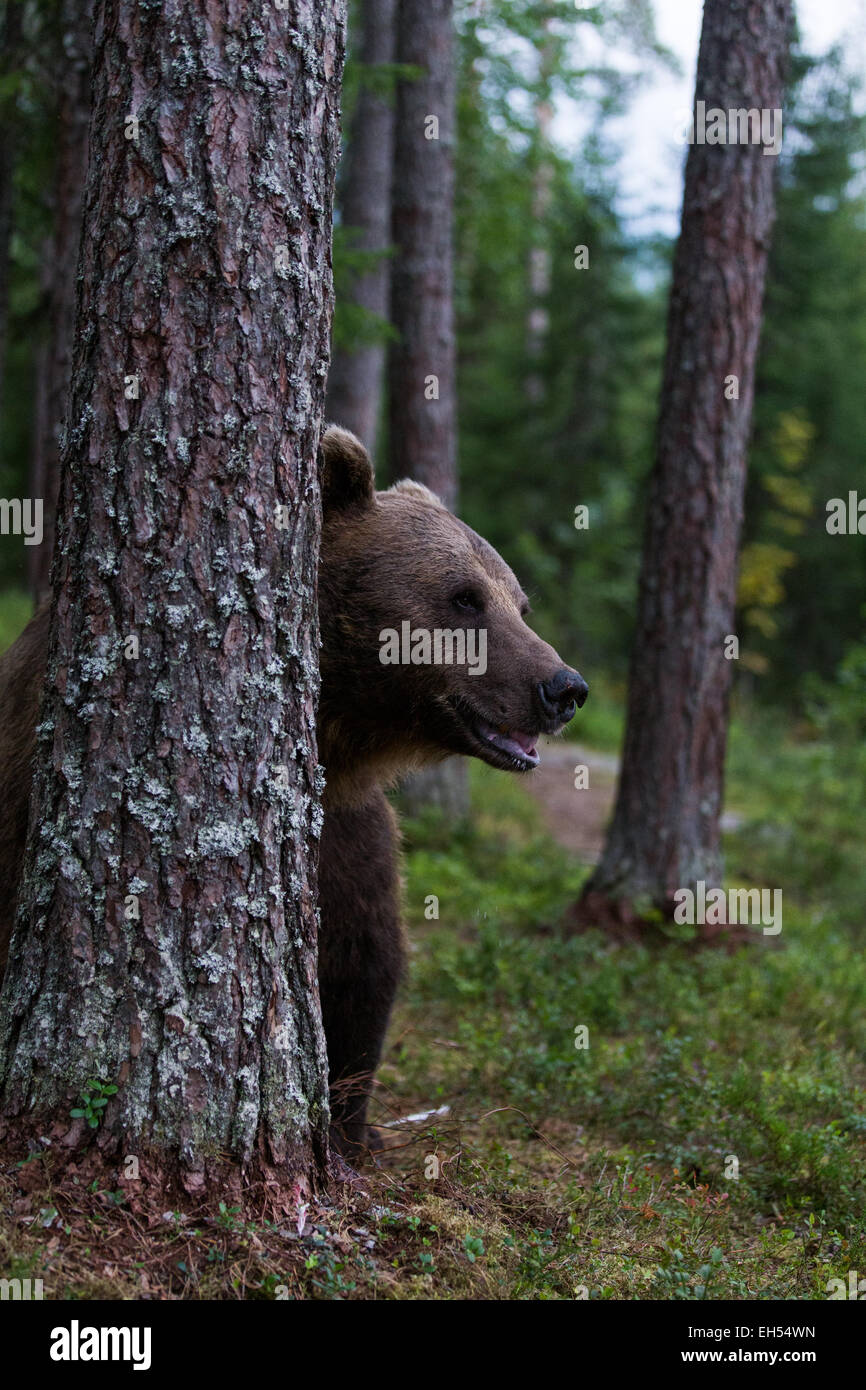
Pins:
<point x="386" y="557"/>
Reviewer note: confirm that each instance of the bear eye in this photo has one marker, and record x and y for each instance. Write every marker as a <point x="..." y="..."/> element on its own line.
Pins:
<point x="468" y="601"/>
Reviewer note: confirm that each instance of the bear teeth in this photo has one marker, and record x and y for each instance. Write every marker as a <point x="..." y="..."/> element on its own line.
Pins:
<point x="518" y="747"/>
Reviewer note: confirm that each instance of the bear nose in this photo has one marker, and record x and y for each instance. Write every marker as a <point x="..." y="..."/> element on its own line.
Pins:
<point x="559" y="695"/>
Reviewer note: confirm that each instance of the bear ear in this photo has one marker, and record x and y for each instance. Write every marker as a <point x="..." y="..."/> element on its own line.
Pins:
<point x="347" y="473"/>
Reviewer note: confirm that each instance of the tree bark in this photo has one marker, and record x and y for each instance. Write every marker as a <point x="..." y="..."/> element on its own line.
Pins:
<point x="54" y="358"/>
<point x="665" y="829"/>
<point x="356" y="377"/>
<point x="422" y="432"/>
<point x="166" y="935"/>
<point x="422" y="365"/>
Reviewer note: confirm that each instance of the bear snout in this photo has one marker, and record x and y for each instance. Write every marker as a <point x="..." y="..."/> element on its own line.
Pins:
<point x="560" y="695"/>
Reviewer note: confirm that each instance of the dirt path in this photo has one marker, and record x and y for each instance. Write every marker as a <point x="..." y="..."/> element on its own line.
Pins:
<point x="575" y="818"/>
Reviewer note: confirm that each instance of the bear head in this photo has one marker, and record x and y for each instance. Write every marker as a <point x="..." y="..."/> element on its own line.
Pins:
<point x="425" y="647"/>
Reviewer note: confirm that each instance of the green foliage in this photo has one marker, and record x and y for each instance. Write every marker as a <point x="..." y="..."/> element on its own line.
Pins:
<point x="94" y="1098"/>
<point x="838" y="708"/>
<point x="474" y="1247"/>
<point x="810" y="408"/>
<point x="675" y="1280"/>
<point x="529" y="455"/>
<point x="800" y="797"/>
<point x="354" y="326"/>
<point x="483" y="877"/>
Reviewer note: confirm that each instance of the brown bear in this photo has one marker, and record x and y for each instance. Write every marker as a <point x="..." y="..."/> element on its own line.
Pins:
<point x="392" y="563"/>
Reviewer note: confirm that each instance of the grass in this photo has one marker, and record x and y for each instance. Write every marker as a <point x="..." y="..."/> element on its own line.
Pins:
<point x="801" y="803"/>
<point x="707" y="1142"/>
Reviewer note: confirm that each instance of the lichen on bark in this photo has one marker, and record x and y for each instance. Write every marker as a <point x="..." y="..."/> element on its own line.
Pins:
<point x="166" y="936"/>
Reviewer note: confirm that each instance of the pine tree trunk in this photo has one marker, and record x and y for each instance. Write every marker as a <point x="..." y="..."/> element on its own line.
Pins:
<point x="422" y="369"/>
<point x="356" y="378"/>
<point x="166" y="936"/>
<point x="665" y="829"/>
<point x="54" y="359"/>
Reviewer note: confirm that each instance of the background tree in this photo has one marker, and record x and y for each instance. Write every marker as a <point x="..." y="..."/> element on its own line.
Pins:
<point x="422" y="374"/>
<point x="538" y="318"/>
<point x="422" y="366"/>
<point x="166" y="941"/>
<point x="356" y="378"/>
<point x="665" y="829"/>
<point x="70" y="35"/>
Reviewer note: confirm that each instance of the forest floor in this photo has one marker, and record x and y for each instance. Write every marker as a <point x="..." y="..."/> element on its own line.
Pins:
<point x="576" y="820"/>
<point x="565" y="1117"/>
<point x="708" y="1141"/>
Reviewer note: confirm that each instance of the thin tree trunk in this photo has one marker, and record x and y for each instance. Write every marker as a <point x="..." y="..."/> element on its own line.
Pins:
<point x="422" y="368"/>
<point x="54" y="359"/>
<point x="538" y="317"/>
<point x="166" y="936"/>
<point x="665" y="829"/>
<point x="356" y="378"/>
<point x="422" y="383"/>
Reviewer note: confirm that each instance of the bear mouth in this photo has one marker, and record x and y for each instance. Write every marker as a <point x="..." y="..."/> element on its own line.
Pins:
<point x="510" y="749"/>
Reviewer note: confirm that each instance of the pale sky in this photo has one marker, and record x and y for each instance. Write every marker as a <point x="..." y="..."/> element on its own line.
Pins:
<point x="651" y="165"/>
